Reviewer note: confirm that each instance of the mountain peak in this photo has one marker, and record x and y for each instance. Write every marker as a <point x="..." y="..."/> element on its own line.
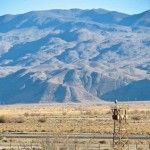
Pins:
<point x="142" y="19"/>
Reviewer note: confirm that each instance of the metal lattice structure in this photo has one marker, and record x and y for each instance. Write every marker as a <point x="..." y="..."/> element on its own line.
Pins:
<point x="120" y="135"/>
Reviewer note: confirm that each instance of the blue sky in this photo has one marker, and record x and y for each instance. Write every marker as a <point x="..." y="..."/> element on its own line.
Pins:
<point x="22" y="6"/>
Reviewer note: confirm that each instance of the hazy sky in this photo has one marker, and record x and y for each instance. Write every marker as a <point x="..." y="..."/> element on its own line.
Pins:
<point x="21" y="6"/>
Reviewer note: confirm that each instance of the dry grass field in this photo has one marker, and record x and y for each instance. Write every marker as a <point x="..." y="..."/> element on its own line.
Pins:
<point x="71" y="118"/>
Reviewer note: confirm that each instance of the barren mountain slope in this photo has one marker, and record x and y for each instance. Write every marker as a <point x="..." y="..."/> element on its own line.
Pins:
<point x="73" y="56"/>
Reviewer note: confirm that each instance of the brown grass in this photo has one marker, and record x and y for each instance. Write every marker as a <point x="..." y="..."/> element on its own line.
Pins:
<point x="89" y="118"/>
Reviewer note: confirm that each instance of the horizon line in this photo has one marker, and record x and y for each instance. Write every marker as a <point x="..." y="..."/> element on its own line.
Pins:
<point x="21" y="13"/>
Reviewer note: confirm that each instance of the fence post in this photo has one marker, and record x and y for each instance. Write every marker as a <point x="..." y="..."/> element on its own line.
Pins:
<point x="31" y="145"/>
<point x="99" y="146"/>
<point x="87" y="146"/>
<point x="136" y="146"/>
<point x="75" y="146"/>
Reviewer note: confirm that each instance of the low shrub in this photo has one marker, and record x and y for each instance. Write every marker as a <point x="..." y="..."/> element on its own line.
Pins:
<point x="19" y="120"/>
<point x="3" y="119"/>
<point x="15" y="120"/>
<point x="42" y="120"/>
<point x="26" y="114"/>
<point x="136" y="118"/>
<point x="64" y="113"/>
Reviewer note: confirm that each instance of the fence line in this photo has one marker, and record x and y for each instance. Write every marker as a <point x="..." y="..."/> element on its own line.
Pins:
<point x="68" y="146"/>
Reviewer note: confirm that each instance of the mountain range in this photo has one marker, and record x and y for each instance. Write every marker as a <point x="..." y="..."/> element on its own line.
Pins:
<point x="74" y="55"/>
